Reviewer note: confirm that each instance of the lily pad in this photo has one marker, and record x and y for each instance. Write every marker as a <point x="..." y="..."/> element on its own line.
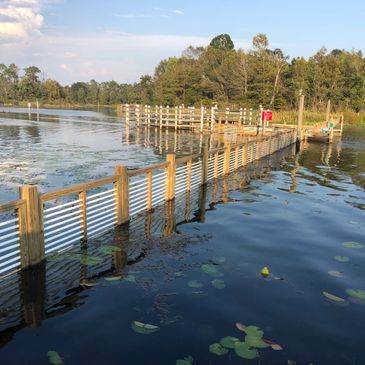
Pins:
<point x="357" y="294"/>
<point x="218" y="284"/>
<point x="354" y="245"/>
<point x="254" y="341"/>
<point x="217" y="349"/>
<point x="195" y="284"/>
<point x="333" y="298"/>
<point x="144" y="328"/>
<point x="228" y="342"/>
<point x="242" y="349"/>
<point x="186" y="361"/>
<point x="54" y="358"/>
<point x="113" y="278"/>
<point x="109" y="249"/>
<point x="342" y="258"/>
<point x="254" y="331"/>
<point x="90" y="260"/>
<point x="275" y="346"/>
<point x="211" y="270"/>
<point x="336" y="274"/>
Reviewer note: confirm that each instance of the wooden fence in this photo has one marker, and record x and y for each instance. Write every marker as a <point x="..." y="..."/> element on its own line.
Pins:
<point x="180" y="117"/>
<point x="37" y="225"/>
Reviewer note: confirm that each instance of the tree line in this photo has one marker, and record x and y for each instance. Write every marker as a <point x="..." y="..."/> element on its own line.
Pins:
<point x="218" y="73"/>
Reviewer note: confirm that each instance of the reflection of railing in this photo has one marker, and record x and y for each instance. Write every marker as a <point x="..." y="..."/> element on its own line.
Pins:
<point x="54" y="287"/>
<point x="41" y="224"/>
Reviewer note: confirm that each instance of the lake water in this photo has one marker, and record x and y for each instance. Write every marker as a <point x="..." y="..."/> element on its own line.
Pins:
<point x="192" y="270"/>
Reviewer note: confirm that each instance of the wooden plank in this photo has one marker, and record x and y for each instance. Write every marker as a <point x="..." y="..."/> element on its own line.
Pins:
<point x="6" y="207"/>
<point x="147" y="169"/>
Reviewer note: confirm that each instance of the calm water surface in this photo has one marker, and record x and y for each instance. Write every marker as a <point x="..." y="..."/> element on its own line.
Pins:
<point x="195" y="280"/>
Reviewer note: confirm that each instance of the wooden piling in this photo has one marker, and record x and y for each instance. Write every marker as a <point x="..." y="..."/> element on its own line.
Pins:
<point x="82" y="198"/>
<point x="300" y="117"/>
<point x="227" y="156"/>
<point x="170" y="176"/>
<point x="205" y="159"/>
<point x="122" y="194"/>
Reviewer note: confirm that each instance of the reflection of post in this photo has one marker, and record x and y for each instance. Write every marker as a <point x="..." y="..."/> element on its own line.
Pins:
<point x="119" y="260"/>
<point x="169" y="218"/>
<point x="188" y="208"/>
<point x="148" y="225"/>
<point x="328" y="154"/>
<point x="33" y="284"/>
<point x="202" y="201"/>
<point x="225" y="191"/>
<point x="338" y="150"/>
<point x="293" y="174"/>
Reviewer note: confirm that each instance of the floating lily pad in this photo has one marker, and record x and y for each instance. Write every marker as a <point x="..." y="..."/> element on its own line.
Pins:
<point x="179" y="274"/>
<point x="144" y="328"/>
<point x="357" y="294"/>
<point x="217" y="349"/>
<point x="254" y="331"/>
<point x="218" y="284"/>
<point x="354" y="245"/>
<point x="90" y="260"/>
<point x="242" y="349"/>
<point x="333" y="298"/>
<point x="130" y="278"/>
<point x="109" y="249"/>
<point x="254" y="341"/>
<point x="275" y="346"/>
<point x="342" y="258"/>
<point x="336" y="274"/>
<point x="54" y="358"/>
<point x="195" y="284"/>
<point x="211" y="270"/>
<point x="228" y="342"/>
<point x="113" y="278"/>
<point x="186" y="361"/>
<point x="241" y="326"/>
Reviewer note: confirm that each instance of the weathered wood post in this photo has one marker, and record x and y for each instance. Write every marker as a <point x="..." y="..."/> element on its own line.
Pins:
<point x="227" y="115"/>
<point x="176" y="117"/>
<point x="122" y="194"/>
<point x="137" y="112"/>
<point x="201" y="119"/>
<point x="127" y="114"/>
<point x="82" y="198"/>
<point x="244" y="115"/>
<point x="34" y="226"/>
<point x="212" y="118"/>
<point x="250" y="117"/>
<point x="341" y="123"/>
<point x="167" y="120"/>
<point x="227" y="157"/>
<point x="328" y="112"/>
<point x="241" y="116"/>
<point x="170" y="176"/>
<point x="205" y="159"/>
<point x="160" y="116"/>
<point x="300" y="119"/>
<point x="149" y="191"/>
<point x="148" y="116"/>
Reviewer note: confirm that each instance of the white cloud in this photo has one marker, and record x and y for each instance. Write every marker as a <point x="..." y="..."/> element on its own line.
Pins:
<point x="131" y="16"/>
<point x="19" y="19"/>
<point x="176" y="11"/>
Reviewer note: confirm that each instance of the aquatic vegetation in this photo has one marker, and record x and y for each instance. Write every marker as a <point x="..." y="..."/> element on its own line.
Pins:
<point x="130" y="278"/>
<point x="185" y="361"/>
<point x="217" y="349"/>
<point x="212" y="270"/>
<point x="336" y="274"/>
<point x="358" y="294"/>
<point x="242" y="349"/>
<point x="354" y="245"/>
<point x="333" y="298"/>
<point x="113" y="278"/>
<point x="90" y="260"/>
<point x="218" y="284"/>
<point x="109" y="249"/>
<point x="195" y="284"/>
<point x="228" y="342"/>
<point x="144" y="328"/>
<point x="342" y="258"/>
<point x="54" y="358"/>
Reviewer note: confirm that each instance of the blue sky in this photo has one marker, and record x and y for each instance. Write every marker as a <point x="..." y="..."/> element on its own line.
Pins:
<point x="73" y="40"/>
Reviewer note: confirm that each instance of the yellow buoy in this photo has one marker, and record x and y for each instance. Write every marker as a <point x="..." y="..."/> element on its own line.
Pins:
<point x="265" y="272"/>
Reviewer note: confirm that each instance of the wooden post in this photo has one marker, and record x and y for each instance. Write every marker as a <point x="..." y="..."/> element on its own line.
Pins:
<point x="170" y="176"/>
<point x="216" y="155"/>
<point x="212" y="118"/>
<point x="227" y="156"/>
<point x="160" y="116"/>
<point x="149" y="190"/>
<point x="205" y="159"/>
<point x="300" y="116"/>
<point x="167" y="120"/>
<point x="127" y="114"/>
<point x="250" y="116"/>
<point x="201" y="119"/>
<point x="122" y="194"/>
<point x="188" y="175"/>
<point x="34" y="224"/>
<point x="328" y="111"/>
<point x="244" y="115"/>
<point x="82" y="197"/>
<point x="341" y="123"/>
<point x="176" y="117"/>
<point x="236" y="158"/>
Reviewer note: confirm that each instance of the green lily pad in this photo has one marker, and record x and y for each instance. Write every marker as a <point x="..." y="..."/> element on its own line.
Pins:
<point x="217" y="349"/>
<point x="144" y="328"/>
<point x="90" y="260"/>
<point x="186" y="361"/>
<point x="342" y="258"/>
<point x="228" y="342"/>
<point x="357" y="294"/>
<point x="113" y="278"/>
<point x="242" y="349"/>
<point x="355" y="245"/>
<point x="211" y="270"/>
<point x="254" y="331"/>
<point x="54" y="358"/>
<point x="130" y="278"/>
<point x="109" y="249"/>
<point x="195" y="284"/>
<point x="218" y="284"/>
<point x="254" y="341"/>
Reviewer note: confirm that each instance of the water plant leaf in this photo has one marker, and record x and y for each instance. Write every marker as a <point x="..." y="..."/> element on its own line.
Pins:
<point x="217" y="349"/>
<point x="109" y="249"/>
<point x="211" y="270"/>
<point x="333" y="298"/>
<point x="54" y="358"/>
<point x="195" y="284"/>
<point x="218" y="284"/>
<point x="357" y="294"/>
<point x="336" y="274"/>
<point x="242" y="349"/>
<point x="179" y="274"/>
<point x="254" y="341"/>
<point x="241" y="327"/>
<point x="342" y="258"/>
<point x="185" y="361"/>
<point x="275" y="346"/>
<point x="254" y="331"/>
<point x="90" y="260"/>
<point x="113" y="278"/>
<point x="219" y="260"/>
<point x="144" y="328"/>
<point x="354" y="245"/>
<point x="228" y="342"/>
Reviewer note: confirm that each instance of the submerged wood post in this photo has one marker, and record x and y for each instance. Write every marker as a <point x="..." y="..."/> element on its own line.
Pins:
<point x="205" y="159"/>
<point x="170" y="176"/>
<point x="227" y="157"/>
<point x="33" y="216"/>
<point x="122" y="194"/>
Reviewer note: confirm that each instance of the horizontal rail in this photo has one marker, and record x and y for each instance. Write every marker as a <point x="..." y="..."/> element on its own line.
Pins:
<point x="7" y="207"/>
<point x="144" y="170"/>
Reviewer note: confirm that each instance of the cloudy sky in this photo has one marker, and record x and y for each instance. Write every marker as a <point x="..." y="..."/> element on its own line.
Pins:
<point x="79" y="40"/>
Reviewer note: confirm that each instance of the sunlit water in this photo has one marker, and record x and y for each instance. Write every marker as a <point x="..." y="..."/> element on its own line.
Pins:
<point x="196" y="280"/>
